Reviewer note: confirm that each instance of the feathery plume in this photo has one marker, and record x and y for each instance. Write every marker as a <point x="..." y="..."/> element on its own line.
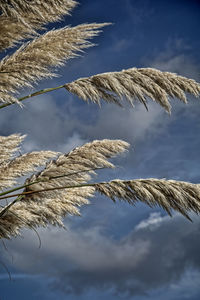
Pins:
<point x="34" y="60"/>
<point x="132" y="84"/>
<point x="8" y="146"/>
<point x="33" y="214"/>
<point x="13" y="31"/>
<point x="168" y="194"/>
<point x="19" y="19"/>
<point x="22" y="165"/>
<point x="39" y="8"/>
<point x="92" y="155"/>
<point x="49" y="207"/>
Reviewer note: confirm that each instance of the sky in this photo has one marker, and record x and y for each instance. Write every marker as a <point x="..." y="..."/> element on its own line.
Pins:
<point x="114" y="250"/>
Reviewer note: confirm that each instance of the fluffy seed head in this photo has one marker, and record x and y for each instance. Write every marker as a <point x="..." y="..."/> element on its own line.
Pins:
<point x="8" y="146"/>
<point x="50" y="206"/>
<point x="34" y="60"/>
<point x="92" y="155"/>
<point x="20" y="19"/>
<point x="183" y="197"/>
<point x="23" y="165"/>
<point x="134" y="84"/>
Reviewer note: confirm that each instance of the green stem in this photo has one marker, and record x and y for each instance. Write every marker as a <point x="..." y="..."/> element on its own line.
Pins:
<point x="49" y="189"/>
<point x="33" y="95"/>
<point x="22" y="195"/>
<point x="42" y="180"/>
<point x="2" y="213"/>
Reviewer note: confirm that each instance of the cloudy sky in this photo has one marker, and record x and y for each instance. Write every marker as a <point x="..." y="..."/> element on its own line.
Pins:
<point x="114" y="250"/>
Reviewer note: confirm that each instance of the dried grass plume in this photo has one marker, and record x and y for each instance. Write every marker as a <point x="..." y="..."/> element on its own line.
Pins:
<point x="20" y="19"/>
<point x="45" y="208"/>
<point x="134" y="84"/>
<point x="181" y="196"/>
<point x="34" y="60"/>
<point x="63" y="184"/>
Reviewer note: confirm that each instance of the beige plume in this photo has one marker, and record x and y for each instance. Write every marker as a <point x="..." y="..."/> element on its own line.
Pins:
<point x="18" y="8"/>
<point x="22" y="165"/>
<point x="8" y="146"/>
<point x="13" y="31"/>
<point x="49" y="207"/>
<point x="34" y="60"/>
<point x="90" y="156"/>
<point x="134" y="84"/>
<point x="68" y="178"/>
<point x="183" y="197"/>
<point x="33" y="214"/>
<point x="19" y="19"/>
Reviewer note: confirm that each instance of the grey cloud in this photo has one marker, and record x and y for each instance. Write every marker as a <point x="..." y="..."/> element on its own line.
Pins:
<point x="168" y="251"/>
<point x="180" y="64"/>
<point x="132" y="124"/>
<point x="44" y="122"/>
<point x="156" y="254"/>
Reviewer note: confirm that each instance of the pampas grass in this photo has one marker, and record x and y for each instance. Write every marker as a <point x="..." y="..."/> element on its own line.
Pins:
<point x="92" y="156"/>
<point x="134" y="84"/>
<point x="183" y="197"/>
<point x="33" y="61"/>
<point x="23" y="165"/>
<point x="64" y="184"/>
<point x="41" y="209"/>
<point x="40" y="9"/>
<point x="8" y="146"/>
<point x="20" y="19"/>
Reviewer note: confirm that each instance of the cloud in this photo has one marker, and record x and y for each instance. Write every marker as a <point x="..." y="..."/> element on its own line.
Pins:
<point x="132" y="124"/>
<point x="154" y="221"/>
<point x="46" y="124"/>
<point x="149" y="257"/>
<point x="180" y="63"/>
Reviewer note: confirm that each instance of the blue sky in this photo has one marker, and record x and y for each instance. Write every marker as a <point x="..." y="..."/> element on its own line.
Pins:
<point x="114" y="250"/>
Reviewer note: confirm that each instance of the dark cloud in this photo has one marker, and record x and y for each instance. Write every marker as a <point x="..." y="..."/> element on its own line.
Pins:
<point x="157" y="254"/>
<point x="158" y="257"/>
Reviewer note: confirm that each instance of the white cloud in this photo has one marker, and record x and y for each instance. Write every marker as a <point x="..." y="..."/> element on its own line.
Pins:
<point x="153" y="222"/>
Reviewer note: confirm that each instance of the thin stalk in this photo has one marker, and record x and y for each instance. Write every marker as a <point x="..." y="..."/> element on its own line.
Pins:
<point x="2" y="213"/>
<point x="22" y="195"/>
<point x="42" y="180"/>
<point x="49" y="189"/>
<point x="33" y="95"/>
